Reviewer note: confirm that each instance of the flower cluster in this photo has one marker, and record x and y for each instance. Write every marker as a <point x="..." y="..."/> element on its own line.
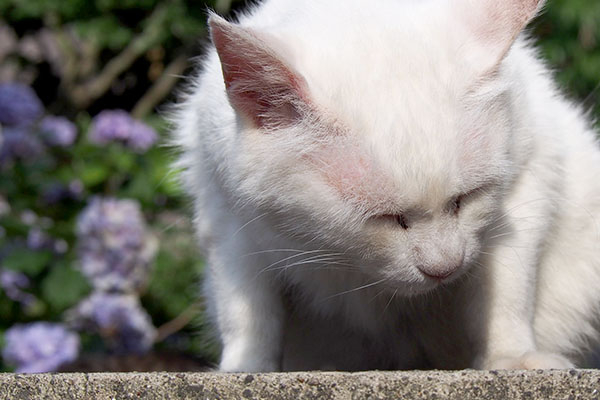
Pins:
<point x="115" y="254"/>
<point x="18" y="143"/>
<point x="37" y="239"/>
<point x="119" y="126"/>
<point x="40" y="347"/>
<point x="25" y="130"/>
<point x="115" y="249"/>
<point x="58" y="131"/>
<point x="19" y="105"/>
<point x="12" y="283"/>
<point x="23" y="134"/>
<point x="119" y="319"/>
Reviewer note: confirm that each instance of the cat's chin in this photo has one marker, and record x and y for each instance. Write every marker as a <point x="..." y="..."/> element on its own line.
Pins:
<point x="413" y="289"/>
<point x="423" y="287"/>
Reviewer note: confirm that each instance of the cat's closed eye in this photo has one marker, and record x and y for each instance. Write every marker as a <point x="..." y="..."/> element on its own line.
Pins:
<point x="397" y="219"/>
<point x="455" y="204"/>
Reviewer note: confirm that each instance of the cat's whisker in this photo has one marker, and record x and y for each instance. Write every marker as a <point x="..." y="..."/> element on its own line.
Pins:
<point x="248" y="223"/>
<point x="355" y="289"/>
<point x="301" y="254"/>
<point x="512" y="232"/>
<point x="377" y="295"/>
<point x="508" y="212"/>
<point x="506" y="266"/>
<point x="390" y="301"/>
<point x="328" y="260"/>
<point x="255" y="253"/>
<point x="505" y="223"/>
<point x="320" y="268"/>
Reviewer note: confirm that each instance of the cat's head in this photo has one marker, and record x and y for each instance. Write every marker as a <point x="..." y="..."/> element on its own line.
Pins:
<point x="386" y="135"/>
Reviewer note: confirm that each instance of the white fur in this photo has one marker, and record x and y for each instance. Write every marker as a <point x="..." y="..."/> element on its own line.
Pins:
<point x="413" y="103"/>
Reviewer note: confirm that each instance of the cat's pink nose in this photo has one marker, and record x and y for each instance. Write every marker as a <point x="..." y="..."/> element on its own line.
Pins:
<point x="438" y="273"/>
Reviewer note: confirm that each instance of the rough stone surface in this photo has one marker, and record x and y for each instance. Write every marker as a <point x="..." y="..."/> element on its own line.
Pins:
<point x="462" y="385"/>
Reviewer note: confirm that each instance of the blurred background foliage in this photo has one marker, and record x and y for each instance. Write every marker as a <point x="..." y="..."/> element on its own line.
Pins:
<point x="85" y="56"/>
<point x="569" y="36"/>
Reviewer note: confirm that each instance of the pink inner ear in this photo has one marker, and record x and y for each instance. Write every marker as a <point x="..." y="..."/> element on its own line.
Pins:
<point x="259" y="84"/>
<point x="495" y="24"/>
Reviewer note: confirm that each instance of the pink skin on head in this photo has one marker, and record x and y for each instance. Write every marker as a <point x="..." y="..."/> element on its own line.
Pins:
<point x="355" y="177"/>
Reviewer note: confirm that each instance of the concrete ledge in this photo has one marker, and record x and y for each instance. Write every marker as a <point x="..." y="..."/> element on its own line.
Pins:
<point x="462" y="385"/>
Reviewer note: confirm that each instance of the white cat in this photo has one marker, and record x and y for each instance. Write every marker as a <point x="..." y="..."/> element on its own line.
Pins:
<point x="391" y="184"/>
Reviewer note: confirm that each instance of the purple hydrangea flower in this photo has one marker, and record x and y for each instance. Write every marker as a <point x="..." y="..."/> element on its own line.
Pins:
<point x="58" y="131"/>
<point x="76" y="188"/>
<point x="110" y="125"/>
<point x="19" y="105"/>
<point x="60" y="246"/>
<point x="141" y="136"/>
<point x="118" y="318"/>
<point x="118" y="125"/>
<point x="115" y="250"/>
<point x="19" y="143"/>
<point x="40" y="347"/>
<point x="13" y="283"/>
<point x="37" y="239"/>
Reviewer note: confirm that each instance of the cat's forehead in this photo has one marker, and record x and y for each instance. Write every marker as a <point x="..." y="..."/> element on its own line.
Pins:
<point x="409" y="46"/>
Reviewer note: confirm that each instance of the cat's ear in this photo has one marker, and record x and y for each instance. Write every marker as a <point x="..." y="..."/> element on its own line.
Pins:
<point x="261" y="87"/>
<point x="493" y="26"/>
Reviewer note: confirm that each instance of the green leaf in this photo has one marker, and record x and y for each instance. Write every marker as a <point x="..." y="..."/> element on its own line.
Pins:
<point x="110" y="5"/>
<point x="35" y="310"/>
<point x="29" y="9"/>
<point x="175" y="282"/>
<point x="13" y="226"/>
<point x="8" y="308"/>
<point x="167" y="182"/>
<point x="27" y="261"/>
<point x="93" y="174"/>
<point x="141" y="188"/>
<point x="106" y="31"/>
<point x="64" y="287"/>
<point x="124" y="161"/>
<point x="165" y="178"/>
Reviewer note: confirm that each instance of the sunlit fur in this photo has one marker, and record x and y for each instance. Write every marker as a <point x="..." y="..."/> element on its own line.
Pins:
<point x="408" y="105"/>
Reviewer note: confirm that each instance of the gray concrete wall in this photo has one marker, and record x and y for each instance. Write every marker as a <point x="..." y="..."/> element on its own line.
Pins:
<point x="462" y="385"/>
